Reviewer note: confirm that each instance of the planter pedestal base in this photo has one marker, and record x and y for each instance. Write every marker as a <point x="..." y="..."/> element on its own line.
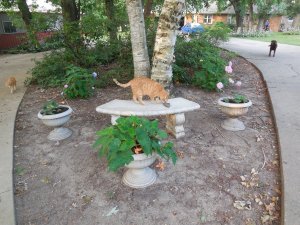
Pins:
<point x="233" y="124"/>
<point x="59" y="134"/>
<point x="139" y="178"/>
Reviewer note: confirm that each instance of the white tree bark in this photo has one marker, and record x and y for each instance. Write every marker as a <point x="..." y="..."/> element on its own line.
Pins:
<point x="163" y="54"/>
<point x="138" y="38"/>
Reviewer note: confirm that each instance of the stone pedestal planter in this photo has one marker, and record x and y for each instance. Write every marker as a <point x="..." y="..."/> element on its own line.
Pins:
<point x="233" y="111"/>
<point x="139" y="175"/>
<point x="57" y="120"/>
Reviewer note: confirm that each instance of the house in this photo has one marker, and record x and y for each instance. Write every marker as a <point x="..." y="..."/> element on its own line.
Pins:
<point x="12" y="36"/>
<point x="211" y="15"/>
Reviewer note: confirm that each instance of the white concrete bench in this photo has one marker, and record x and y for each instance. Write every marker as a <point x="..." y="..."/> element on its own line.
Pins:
<point x="175" y="114"/>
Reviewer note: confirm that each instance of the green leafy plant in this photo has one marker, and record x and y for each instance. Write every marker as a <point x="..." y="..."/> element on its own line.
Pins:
<point x="50" y="72"/>
<point x="51" y="107"/>
<point x="79" y="83"/>
<point x="216" y="33"/>
<point x="199" y="62"/>
<point x="237" y="98"/>
<point x="132" y="135"/>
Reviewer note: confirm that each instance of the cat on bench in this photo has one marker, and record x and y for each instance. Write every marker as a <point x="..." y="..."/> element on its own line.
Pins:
<point x="141" y="86"/>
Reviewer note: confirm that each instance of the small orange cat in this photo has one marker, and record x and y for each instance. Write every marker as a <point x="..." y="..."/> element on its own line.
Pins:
<point x="11" y="83"/>
<point x="141" y="86"/>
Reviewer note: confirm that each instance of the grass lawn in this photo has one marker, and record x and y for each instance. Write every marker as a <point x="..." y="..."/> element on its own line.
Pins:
<point x="280" y="37"/>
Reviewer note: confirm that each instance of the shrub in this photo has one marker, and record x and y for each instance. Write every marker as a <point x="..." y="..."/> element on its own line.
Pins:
<point x="50" y="72"/>
<point x="217" y="33"/>
<point x="198" y="62"/>
<point x="79" y="83"/>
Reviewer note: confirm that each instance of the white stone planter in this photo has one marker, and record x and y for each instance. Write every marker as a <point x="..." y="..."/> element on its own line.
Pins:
<point x="139" y="175"/>
<point x="233" y="111"/>
<point x="57" y="120"/>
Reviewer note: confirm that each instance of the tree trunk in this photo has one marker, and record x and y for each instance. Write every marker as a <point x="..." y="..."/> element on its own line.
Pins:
<point x="163" y="55"/>
<point x="111" y="26"/>
<point x="239" y="10"/>
<point x="71" y="16"/>
<point x="138" y="38"/>
<point x="260" y="24"/>
<point x="27" y="18"/>
<point x="251" y="19"/>
<point x="147" y="9"/>
<point x="296" y="21"/>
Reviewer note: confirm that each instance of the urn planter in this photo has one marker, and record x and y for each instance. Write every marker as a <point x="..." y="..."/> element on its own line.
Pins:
<point x="139" y="175"/>
<point x="57" y="120"/>
<point x="233" y="111"/>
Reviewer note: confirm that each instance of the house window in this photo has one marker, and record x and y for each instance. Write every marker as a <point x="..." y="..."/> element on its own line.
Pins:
<point x="8" y="27"/>
<point x="207" y="19"/>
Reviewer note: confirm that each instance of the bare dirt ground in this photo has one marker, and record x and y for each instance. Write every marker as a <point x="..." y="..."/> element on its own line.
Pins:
<point x="67" y="184"/>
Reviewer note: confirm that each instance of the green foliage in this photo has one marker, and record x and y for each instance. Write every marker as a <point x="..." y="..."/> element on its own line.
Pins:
<point x="122" y="74"/>
<point x="217" y="33"/>
<point x="198" y="62"/>
<point x="237" y="98"/>
<point x="117" y="142"/>
<point x="52" y="107"/>
<point x="79" y="83"/>
<point x="50" y="72"/>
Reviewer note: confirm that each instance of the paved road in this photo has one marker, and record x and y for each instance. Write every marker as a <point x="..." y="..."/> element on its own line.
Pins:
<point x="282" y="75"/>
<point x="17" y="66"/>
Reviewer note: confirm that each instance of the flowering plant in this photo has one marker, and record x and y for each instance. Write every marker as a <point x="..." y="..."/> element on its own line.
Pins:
<point x="80" y="82"/>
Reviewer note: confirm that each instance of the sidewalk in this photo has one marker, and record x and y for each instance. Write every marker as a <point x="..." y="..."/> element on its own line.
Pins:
<point x="17" y="66"/>
<point x="282" y="75"/>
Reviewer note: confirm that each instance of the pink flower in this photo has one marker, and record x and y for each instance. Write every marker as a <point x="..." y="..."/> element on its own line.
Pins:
<point x="228" y="69"/>
<point x="230" y="64"/>
<point x="220" y="85"/>
<point x="238" y="83"/>
<point x="66" y="86"/>
<point x="231" y="81"/>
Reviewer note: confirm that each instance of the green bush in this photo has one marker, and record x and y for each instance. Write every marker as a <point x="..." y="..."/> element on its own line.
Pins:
<point x="79" y="83"/>
<point x="198" y="62"/>
<point x="217" y="33"/>
<point x="50" y="72"/>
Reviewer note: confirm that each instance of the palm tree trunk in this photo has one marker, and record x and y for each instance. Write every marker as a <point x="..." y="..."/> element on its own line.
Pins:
<point x="138" y="38"/>
<point x="163" y="55"/>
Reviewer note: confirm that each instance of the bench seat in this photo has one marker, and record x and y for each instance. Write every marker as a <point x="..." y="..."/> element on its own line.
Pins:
<point x="175" y="113"/>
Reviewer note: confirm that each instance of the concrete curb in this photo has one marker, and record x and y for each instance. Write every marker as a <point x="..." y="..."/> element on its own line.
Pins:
<point x="282" y="77"/>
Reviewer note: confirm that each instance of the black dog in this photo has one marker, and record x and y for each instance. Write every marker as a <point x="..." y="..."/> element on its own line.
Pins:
<point x="273" y="47"/>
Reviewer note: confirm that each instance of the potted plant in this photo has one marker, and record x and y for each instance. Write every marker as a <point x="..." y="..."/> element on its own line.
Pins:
<point x="234" y="107"/>
<point x="55" y="115"/>
<point x="134" y="142"/>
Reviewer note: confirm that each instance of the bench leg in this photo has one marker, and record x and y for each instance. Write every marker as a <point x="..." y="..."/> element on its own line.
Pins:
<point x="113" y="119"/>
<point x="175" y="124"/>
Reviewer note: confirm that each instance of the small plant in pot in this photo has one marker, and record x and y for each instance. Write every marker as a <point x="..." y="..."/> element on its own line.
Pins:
<point x="234" y="107"/>
<point x="54" y="115"/>
<point x="134" y="142"/>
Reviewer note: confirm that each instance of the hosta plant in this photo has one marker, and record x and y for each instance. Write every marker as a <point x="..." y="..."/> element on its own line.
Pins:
<point x="132" y="135"/>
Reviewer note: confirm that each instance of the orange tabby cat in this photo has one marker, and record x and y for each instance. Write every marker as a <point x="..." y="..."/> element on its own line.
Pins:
<point x="141" y="86"/>
<point x="12" y="84"/>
